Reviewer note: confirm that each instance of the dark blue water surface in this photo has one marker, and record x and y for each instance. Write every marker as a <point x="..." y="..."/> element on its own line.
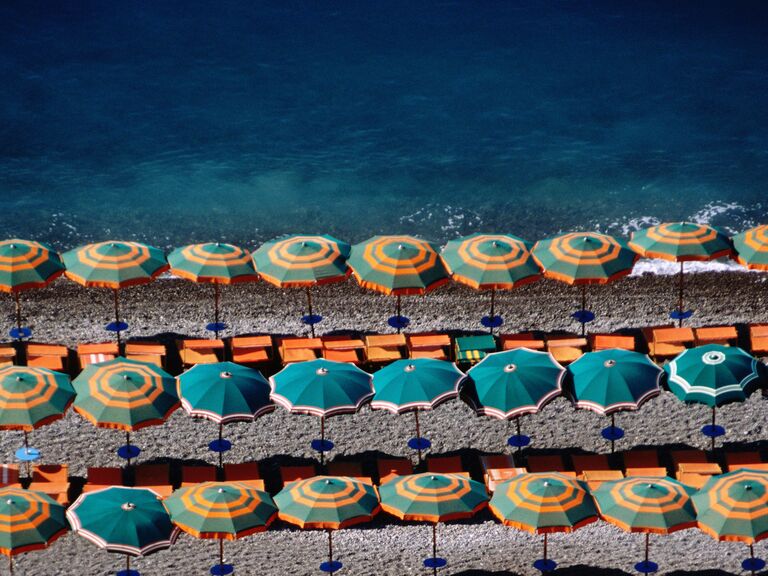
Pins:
<point x="179" y="121"/>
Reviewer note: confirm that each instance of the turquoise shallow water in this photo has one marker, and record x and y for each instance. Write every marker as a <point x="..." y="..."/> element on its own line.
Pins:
<point x="179" y="121"/>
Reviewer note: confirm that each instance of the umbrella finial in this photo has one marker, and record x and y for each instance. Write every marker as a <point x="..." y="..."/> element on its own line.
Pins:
<point x="126" y="376"/>
<point x="433" y="477"/>
<point x="321" y="371"/>
<point x="400" y="247"/>
<point x="510" y="367"/>
<point x="546" y="483"/>
<point x="747" y="486"/>
<point x="128" y="506"/>
<point x="410" y="368"/>
<point x="328" y="481"/>
<point x="9" y="501"/>
<point x="220" y="490"/>
<point x="226" y="374"/>
<point x="12" y="246"/>
<point x="609" y="363"/>
<point x="19" y="379"/>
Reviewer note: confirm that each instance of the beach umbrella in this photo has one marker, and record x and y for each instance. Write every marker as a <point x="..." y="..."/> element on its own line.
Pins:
<point x="300" y="261"/>
<point x="491" y="262"/>
<point x="224" y="392"/>
<point x="510" y="384"/>
<point x="222" y="511"/>
<point x="25" y="265"/>
<point x="648" y="506"/>
<point x="213" y="263"/>
<point x="30" y="398"/>
<point x="608" y="381"/>
<point x="126" y="395"/>
<point x="322" y="388"/>
<point x="415" y="384"/>
<point x="434" y="498"/>
<point x="29" y="520"/>
<point x="130" y="521"/>
<point x="681" y="242"/>
<point x="327" y="503"/>
<point x="751" y="248"/>
<point x="714" y="375"/>
<point x="543" y="503"/>
<point x="397" y="265"/>
<point x="114" y="265"/>
<point x="583" y="258"/>
<point x="733" y="507"/>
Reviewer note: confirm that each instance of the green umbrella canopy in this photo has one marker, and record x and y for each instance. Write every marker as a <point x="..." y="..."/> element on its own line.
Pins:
<point x="32" y="397"/>
<point x="608" y="381"/>
<point x="432" y="497"/>
<point x="543" y="502"/>
<point x="131" y="521"/>
<point x="397" y="265"/>
<point x="415" y="384"/>
<point x="327" y="502"/>
<point x="714" y="375"/>
<point x="29" y="520"/>
<point x="650" y="505"/>
<point x="752" y="248"/>
<point x="299" y="261"/>
<point x="114" y="264"/>
<point x="321" y="387"/>
<point x="584" y="258"/>
<point x="125" y="394"/>
<point x="681" y="242"/>
<point x="224" y="392"/>
<point x="214" y="262"/>
<point x="734" y="506"/>
<point x="509" y="384"/>
<point x="222" y="510"/>
<point x="491" y="261"/>
<point x="26" y="264"/>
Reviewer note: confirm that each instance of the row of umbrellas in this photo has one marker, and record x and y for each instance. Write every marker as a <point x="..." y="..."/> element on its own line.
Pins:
<point x="129" y="395"/>
<point x="136" y="522"/>
<point x="397" y="265"/>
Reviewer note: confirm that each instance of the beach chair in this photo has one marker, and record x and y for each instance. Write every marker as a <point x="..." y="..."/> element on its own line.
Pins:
<point x="200" y="351"/>
<point x="150" y="352"/>
<point x="497" y="468"/>
<point x="446" y="465"/>
<point x="566" y="349"/>
<point x="94" y="353"/>
<point x="343" y="349"/>
<point x="9" y="476"/>
<point x="103" y="477"/>
<point x="191" y="475"/>
<point x="53" y="480"/>
<point x="472" y="349"/>
<point x="155" y="477"/>
<point x="496" y="461"/>
<point x="251" y="350"/>
<point x="611" y="341"/>
<point x="7" y="354"/>
<point x="725" y="335"/>
<point x="594" y="478"/>
<point x="758" y="339"/>
<point x="667" y="342"/>
<point x="350" y="469"/>
<point x="51" y="356"/>
<point x="643" y="463"/>
<point x="693" y="467"/>
<point x="495" y="476"/>
<point x="430" y="345"/>
<point x="300" y="349"/>
<point x="522" y="340"/>
<point x="548" y="463"/>
<point x="389" y="468"/>
<point x="290" y="474"/>
<point x="385" y="348"/>
<point x="245" y="473"/>
<point x="583" y="463"/>
<point x="737" y="460"/>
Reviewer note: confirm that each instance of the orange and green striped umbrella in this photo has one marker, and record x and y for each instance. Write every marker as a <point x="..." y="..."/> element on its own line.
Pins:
<point x="752" y="248"/>
<point x="31" y="397"/>
<point x="29" y="520"/>
<point x="24" y="265"/>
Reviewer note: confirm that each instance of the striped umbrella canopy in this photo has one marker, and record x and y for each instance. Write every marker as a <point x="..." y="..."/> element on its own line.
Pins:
<point x="130" y="521"/>
<point x="221" y="510"/>
<point x="300" y="261"/>
<point x="114" y="265"/>
<point x="29" y="520"/>
<point x="751" y="248"/>
<point x="25" y="264"/>
<point x="31" y="397"/>
<point x="681" y="242"/>
<point x="213" y="263"/>
<point x="543" y="503"/>
<point x="646" y="505"/>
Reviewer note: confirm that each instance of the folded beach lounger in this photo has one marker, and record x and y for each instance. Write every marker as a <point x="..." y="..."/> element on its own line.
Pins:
<point x="154" y="476"/>
<point x="384" y="348"/>
<point x="389" y="468"/>
<point x="251" y="350"/>
<point x="200" y="351"/>
<point x="101" y="477"/>
<point x="725" y="335"/>
<point x="151" y="352"/>
<point x="494" y="476"/>
<point x="7" y="354"/>
<point x="693" y="467"/>
<point x="300" y="349"/>
<point x="758" y="339"/>
<point x="472" y="349"/>
<point x="290" y="474"/>
<point x="643" y="463"/>
<point x="343" y="349"/>
<point x="350" y="469"/>
<point x="522" y="340"/>
<point x="245" y="473"/>
<point x="191" y="475"/>
<point x="9" y="476"/>
<point x="492" y="461"/>
<point x="51" y="356"/>
<point x="583" y="463"/>
<point x="594" y="478"/>
<point x="430" y="345"/>
<point x="446" y="465"/>
<point x="566" y="349"/>
<point x="667" y="342"/>
<point x="53" y="480"/>
<point x="610" y="341"/>
<point x="751" y="459"/>
<point x="95" y="353"/>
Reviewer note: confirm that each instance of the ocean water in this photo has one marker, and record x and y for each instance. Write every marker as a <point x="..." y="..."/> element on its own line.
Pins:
<point x="180" y="121"/>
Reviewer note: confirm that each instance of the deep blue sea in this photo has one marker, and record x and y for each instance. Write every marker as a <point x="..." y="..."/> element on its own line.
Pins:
<point x="178" y="121"/>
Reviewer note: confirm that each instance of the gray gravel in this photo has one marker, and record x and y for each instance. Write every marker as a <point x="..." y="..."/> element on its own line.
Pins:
<point x="70" y="314"/>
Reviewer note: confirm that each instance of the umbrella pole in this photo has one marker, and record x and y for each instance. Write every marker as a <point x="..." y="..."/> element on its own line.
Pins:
<point x="27" y="465"/>
<point x="751" y="556"/>
<point x="330" y="550"/>
<point x="221" y="554"/>
<point x="18" y="313"/>
<point x="583" y="307"/>
<point x="680" y="297"/>
<point x="545" y="548"/>
<point x="216" y="296"/>
<point x="398" y="313"/>
<point x="221" y="437"/>
<point x="10" y="563"/>
<point x="117" y="314"/>
<point x="712" y="445"/>
<point x="322" y="442"/>
<point x="127" y="563"/>
<point x="434" y="545"/>
<point x="309" y="311"/>
<point x="418" y="432"/>
<point x="493" y="302"/>
<point x="128" y="445"/>
<point x="613" y="428"/>
<point x="647" y="539"/>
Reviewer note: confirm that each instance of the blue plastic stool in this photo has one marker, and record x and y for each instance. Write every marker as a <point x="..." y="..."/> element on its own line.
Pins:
<point x="419" y="444"/>
<point x="519" y="441"/>
<point x="128" y="573"/>
<point x="491" y="321"/>
<point x="19" y="333"/>
<point x="545" y="565"/>
<point x="128" y="452"/>
<point x="713" y="431"/>
<point x="583" y="316"/>
<point x="435" y="563"/>
<point x="311" y="319"/>
<point x="753" y="564"/>
<point x="399" y="322"/>
<point x="647" y="567"/>
<point x="27" y="454"/>
<point x="216" y="327"/>
<point x="116" y="327"/>
<point x="322" y="445"/>
<point x="220" y="446"/>
<point x="612" y="433"/>
<point x="331" y="567"/>
<point x="678" y="314"/>
<point x="222" y="569"/>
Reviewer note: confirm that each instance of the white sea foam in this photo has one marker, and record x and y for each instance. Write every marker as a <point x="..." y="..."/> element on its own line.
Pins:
<point x="666" y="268"/>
